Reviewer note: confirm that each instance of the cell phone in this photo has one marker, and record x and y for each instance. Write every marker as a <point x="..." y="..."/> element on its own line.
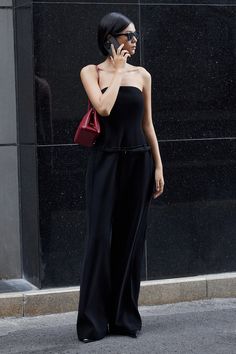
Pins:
<point x="112" y="40"/>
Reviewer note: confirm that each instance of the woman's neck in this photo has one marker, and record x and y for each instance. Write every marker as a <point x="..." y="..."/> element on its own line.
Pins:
<point x="108" y="65"/>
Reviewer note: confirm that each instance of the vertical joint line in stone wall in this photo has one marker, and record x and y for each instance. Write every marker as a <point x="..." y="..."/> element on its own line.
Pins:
<point x="23" y="305"/>
<point x="146" y="267"/>
<point x="140" y="41"/>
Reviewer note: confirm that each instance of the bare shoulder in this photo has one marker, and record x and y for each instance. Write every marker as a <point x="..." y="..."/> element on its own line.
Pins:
<point x="145" y="74"/>
<point x="88" y="68"/>
<point x="146" y="78"/>
<point x="88" y="73"/>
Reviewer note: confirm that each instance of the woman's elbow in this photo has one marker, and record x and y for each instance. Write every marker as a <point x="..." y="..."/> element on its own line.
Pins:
<point x="103" y="111"/>
<point x="147" y="126"/>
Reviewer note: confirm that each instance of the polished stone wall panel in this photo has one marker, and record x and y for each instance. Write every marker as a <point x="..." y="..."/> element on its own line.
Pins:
<point x="145" y="2"/>
<point x="61" y="50"/>
<point x="187" y="225"/>
<point x="10" y="252"/>
<point x="180" y="3"/>
<point x="28" y="173"/>
<point x="61" y="175"/>
<point x="62" y="205"/>
<point x="192" y="225"/>
<point x="190" y="52"/>
<point x="22" y="3"/>
<point x="8" y="130"/>
<point x="6" y="3"/>
<point x="25" y="74"/>
<point x="192" y="65"/>
<point x="72" y="2"/>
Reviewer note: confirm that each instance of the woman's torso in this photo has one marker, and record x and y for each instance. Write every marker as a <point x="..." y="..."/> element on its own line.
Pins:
<point x="122" y="129"/>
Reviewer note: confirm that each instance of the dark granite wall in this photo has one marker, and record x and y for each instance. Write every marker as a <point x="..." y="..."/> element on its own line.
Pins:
<point x="189" y="49"/>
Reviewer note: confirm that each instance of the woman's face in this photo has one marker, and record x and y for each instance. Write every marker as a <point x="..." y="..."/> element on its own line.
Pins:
<point x="129" y="45"/>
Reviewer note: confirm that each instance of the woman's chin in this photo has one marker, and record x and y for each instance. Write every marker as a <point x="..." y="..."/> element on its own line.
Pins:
<point x="132" y="52"/>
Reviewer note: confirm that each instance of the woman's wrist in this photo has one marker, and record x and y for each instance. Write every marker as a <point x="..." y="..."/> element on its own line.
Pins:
<point x="159" y="166"/>
<point x="117" y="77"/>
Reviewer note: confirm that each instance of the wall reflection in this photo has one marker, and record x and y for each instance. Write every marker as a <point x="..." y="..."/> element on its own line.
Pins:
<point x="190" y="52"/>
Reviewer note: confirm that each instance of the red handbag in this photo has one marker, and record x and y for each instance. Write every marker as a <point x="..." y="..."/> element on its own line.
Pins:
<point x="88" y="128"/>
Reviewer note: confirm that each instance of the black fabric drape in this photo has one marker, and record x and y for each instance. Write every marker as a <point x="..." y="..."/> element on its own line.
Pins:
<point x="119" y="187"/>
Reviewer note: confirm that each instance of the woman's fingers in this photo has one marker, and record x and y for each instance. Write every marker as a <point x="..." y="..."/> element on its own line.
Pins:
<point x="111" y="57"/>
<point x="159" y="188"/>
<point x="119" y="57"/>
<point x="119" y="48"/>
<point x="113" y="49"/>
<point x="158" y="184"/>
<point x="127" y="55"/>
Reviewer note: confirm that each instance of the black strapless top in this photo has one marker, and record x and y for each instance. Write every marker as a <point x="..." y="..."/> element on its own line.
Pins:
<point x="122" y="129"/>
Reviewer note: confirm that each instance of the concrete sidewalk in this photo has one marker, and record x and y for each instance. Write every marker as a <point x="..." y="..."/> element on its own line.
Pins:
<point x="199" y="327"/>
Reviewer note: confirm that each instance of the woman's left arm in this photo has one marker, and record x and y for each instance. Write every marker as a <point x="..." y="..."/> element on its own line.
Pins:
<point x="149" y="130"/>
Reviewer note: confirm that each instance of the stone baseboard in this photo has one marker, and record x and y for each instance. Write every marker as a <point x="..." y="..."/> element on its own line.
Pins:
<point x="153" y="292"/>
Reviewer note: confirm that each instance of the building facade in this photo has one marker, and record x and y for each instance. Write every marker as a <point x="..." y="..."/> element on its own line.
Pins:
<point x="189" y="49"/>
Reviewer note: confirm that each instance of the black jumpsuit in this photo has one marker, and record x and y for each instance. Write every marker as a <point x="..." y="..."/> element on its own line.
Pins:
<point x="120" y="180"/>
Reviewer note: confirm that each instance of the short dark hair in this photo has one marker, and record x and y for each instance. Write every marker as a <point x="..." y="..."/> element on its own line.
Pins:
<point x="112" y="23"/>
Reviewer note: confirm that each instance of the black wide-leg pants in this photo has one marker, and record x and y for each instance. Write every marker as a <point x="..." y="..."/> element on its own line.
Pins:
<point x="119" y="188"/>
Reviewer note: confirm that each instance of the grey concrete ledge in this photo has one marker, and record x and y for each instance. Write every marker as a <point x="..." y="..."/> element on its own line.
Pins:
<point x="6" y="3"/>
<point x="153" y="292"/>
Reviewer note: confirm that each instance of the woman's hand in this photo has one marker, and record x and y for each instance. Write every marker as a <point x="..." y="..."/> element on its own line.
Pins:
<point x="159" y="180"/>
<point x="119" y="57"/>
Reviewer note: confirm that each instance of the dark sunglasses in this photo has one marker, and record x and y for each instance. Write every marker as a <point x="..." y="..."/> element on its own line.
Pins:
<point x="129" y="35"/>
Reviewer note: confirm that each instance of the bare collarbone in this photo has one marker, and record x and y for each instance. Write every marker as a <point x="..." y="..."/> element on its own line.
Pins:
<point x="129" y="69"/>
<point x="126" y="82"/>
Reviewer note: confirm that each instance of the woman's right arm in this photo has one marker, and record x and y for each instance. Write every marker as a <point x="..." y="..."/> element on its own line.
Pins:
<point x="103" y="102"/>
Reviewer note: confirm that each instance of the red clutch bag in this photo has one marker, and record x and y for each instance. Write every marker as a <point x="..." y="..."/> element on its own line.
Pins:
<point x="88" y="128"/>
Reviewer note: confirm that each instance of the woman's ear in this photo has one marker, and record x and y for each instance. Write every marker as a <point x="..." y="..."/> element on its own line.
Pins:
<point x="108" y="40"/>
<point x="107" y="45"/>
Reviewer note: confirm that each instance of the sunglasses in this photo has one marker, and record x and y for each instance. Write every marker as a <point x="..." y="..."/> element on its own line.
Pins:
<point x="129" y="35"/>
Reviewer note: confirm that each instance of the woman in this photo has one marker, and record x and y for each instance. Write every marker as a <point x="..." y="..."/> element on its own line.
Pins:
<point x="124" y="172"/>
